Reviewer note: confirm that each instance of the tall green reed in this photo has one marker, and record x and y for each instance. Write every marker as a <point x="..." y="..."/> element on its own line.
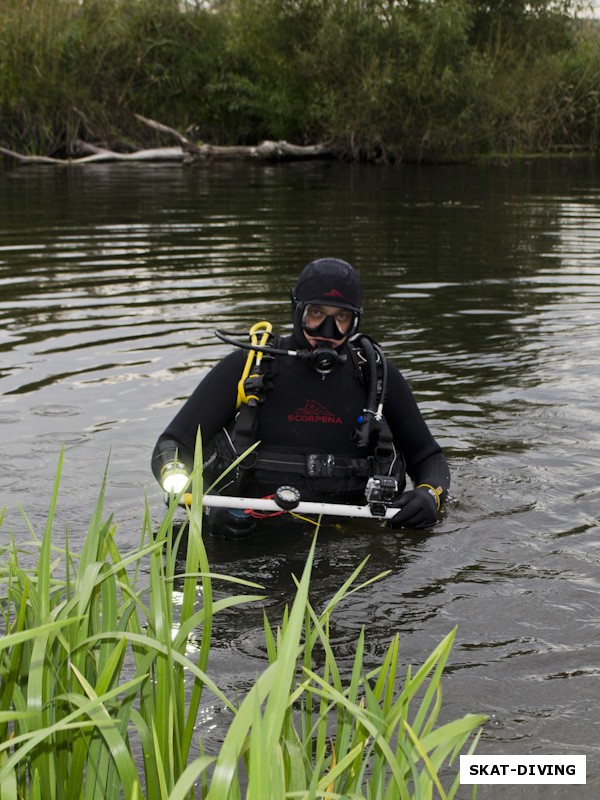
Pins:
<point x="100" y="694"/>
<point x="94" y="667"/>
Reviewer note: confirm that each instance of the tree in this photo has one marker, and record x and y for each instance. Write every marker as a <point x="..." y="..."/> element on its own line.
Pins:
<point x="541" y="22"/>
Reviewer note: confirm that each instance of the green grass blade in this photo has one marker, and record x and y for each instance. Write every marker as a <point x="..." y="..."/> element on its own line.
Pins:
<point x="189" y="777"/>
<point x="43" y="567"/>
<point x="116" y="744"/>
<point x="260" y="763"/>
<point x="365" y="720"/>
<point x="231" y="749"/>
<point x="151" y="645"/>
<point x="196" y="557"/>
<point x="287" y="659"/>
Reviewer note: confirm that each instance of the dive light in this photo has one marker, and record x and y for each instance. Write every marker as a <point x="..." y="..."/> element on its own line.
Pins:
<point x="174" y="477"/>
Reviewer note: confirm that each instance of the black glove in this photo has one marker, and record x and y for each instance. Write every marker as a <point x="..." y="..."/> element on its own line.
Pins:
<point x="418" y="509"/>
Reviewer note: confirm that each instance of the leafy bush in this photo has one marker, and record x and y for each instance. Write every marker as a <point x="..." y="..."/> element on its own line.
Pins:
<point x="73" y="70"/>
<point x="377" y="80"/>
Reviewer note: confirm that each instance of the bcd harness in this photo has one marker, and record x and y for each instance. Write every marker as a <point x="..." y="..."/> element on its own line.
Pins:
<point x="378" y="457"/>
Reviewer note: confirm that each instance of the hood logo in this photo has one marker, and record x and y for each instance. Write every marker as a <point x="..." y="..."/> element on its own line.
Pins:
<point x="334" y="293"/>
<point x="313" y="411"/>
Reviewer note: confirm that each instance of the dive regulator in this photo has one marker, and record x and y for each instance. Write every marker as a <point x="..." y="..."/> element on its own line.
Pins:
<point x="324" y="358"/>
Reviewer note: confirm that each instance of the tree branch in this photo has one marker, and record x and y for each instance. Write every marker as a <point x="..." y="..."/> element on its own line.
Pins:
<point x="187" y="152"/>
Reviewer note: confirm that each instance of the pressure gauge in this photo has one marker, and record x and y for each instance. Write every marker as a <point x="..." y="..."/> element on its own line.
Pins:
<point x="287" y="497"/>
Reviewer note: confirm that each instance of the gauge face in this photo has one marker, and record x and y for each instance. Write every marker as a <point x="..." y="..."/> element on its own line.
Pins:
<point x="287" y="497"/>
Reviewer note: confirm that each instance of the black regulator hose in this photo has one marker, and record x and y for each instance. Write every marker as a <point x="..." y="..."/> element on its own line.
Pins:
<point x="367" y="345"/>
<point x="370" y="421"/>
<point x="384" y="374"/>
<point x="324" y="358"/>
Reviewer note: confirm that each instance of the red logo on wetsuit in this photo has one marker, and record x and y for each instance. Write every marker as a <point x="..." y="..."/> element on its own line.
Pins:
<point x="313" y="411"/>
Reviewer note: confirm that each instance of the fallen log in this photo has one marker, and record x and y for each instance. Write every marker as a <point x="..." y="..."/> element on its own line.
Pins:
<point x="185" y="152"/>
<point x="267" y="150"/>
<point x="101" y="155"/>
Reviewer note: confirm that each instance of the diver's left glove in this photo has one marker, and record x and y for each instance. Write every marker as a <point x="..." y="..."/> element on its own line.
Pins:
<point x="173" y="477"/>
<point x="418" y="508"/>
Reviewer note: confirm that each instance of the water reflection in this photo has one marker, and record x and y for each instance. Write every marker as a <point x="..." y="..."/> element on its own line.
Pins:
<point x="482" y="283"/>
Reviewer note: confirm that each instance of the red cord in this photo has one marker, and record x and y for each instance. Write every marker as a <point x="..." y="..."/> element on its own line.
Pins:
<point x="259" y="515"/>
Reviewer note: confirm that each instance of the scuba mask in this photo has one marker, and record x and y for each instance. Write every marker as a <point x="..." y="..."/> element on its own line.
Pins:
<point x="340" y="325"/>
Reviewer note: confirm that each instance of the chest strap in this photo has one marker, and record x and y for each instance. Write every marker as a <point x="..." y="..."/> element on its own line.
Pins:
<point x="313" y="465"/>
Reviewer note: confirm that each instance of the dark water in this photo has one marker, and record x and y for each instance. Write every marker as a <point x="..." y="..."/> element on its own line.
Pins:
<point x="482" y="283"/>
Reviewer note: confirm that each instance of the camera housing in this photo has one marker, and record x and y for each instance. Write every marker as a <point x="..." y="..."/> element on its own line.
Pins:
<point x="380" y="492"/>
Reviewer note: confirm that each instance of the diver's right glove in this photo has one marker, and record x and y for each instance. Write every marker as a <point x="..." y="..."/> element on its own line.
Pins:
<point x="418" y="509"/>
<point x="173" y="477"/>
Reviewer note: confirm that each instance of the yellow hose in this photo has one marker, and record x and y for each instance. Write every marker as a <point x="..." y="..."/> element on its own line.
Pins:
<point x="254" y="358"/>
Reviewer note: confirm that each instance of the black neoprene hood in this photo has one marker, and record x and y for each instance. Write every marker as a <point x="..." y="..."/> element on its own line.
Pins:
<point x="329" y="281"/>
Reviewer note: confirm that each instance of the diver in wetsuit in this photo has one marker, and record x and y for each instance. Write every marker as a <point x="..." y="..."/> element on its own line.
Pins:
<point x="310" y="420"/>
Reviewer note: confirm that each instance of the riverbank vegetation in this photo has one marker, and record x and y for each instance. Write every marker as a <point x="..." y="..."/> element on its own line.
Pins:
<point x="105" y="680"/>
<point x="413" y="80"/>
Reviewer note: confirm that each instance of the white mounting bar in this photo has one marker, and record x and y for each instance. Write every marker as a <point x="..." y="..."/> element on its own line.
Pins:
<point x="303" y="507"/>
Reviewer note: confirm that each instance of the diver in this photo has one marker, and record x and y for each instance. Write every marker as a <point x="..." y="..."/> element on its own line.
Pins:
<point x="331" y="415"/>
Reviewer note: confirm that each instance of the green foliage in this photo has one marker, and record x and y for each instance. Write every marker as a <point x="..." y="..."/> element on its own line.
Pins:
<point x="580" y="94"/>
<point x="100" y="691"/>
<point x="409" y="85"/>
<point x="81" y="70"/>
<point x="377" y="80"/>
<point x="92" y="671"/>
<point x="539" y="25"/>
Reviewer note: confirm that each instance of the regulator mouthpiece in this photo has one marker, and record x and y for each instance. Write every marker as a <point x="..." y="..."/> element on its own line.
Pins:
<point x="323" y="358"/>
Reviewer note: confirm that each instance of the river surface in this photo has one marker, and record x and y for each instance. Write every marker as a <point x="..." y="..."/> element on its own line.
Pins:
<point x="483" y="285"/>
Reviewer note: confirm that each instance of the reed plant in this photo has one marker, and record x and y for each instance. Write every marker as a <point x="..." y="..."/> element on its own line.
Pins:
<point x="100" y="691"/>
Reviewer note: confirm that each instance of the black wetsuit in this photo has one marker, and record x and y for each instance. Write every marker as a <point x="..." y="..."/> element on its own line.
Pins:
<point x="304" y="413"/>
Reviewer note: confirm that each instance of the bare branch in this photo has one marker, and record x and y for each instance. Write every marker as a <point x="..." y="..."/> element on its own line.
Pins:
<point x="187" y="152"/>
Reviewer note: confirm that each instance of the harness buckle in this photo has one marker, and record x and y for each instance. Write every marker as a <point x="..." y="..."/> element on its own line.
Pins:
<point x="255" y="387"/>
